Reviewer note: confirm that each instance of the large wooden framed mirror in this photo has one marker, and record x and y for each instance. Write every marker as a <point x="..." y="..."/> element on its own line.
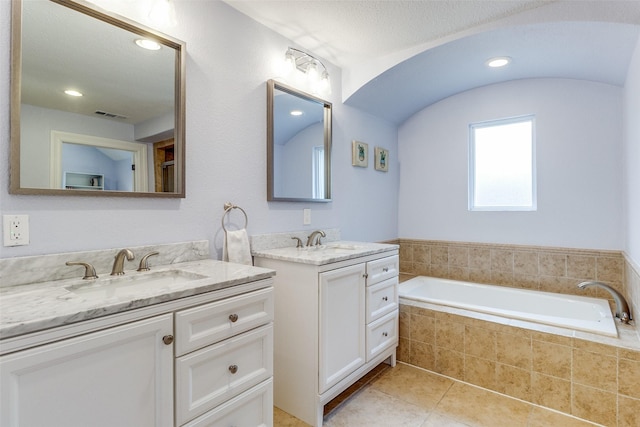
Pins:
<point x="298" y="145"/>
<point x="123" y="134"/>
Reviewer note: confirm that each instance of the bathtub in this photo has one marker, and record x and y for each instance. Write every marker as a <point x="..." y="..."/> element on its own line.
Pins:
<point x="566" y="311"/>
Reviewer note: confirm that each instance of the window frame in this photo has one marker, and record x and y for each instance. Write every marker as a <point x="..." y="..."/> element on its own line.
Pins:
<point x="472" y="160"/>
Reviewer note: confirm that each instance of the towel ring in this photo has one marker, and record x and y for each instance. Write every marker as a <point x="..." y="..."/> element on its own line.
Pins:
<point x="228" y="207"/>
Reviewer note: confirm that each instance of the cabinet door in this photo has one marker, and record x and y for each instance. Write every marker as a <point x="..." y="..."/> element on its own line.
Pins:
<point x="122" y="376"/>
<point x="342" y="327"/>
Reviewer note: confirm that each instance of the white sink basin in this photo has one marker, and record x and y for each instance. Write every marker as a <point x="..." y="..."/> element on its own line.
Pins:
<point x="128" y="285"/>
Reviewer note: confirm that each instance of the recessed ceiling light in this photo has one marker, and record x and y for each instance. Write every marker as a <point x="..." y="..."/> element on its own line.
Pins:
<point x="148" y="44"/>
<point x="498" y="62"/>
<point x="72" y="92"/>
<point x="296" y="113"/>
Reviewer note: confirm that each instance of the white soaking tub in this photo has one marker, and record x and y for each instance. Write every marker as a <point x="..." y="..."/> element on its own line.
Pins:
<point x="566" y="311"/>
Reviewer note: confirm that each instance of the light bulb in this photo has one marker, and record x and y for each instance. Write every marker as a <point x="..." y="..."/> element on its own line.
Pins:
<point x="325" y="83"/>
<point x="312" y="73"/>
<point x="289" y="62"/>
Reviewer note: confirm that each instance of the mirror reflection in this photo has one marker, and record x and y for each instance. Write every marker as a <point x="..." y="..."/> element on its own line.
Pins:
<point x="298" y="145"/>
<point x="97" y="112"/>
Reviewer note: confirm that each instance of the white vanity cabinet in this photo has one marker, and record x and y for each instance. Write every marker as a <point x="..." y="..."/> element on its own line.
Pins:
<point x="204" y="360"/>
<point x="115" y="377"/>
<point x="333" y="323"/>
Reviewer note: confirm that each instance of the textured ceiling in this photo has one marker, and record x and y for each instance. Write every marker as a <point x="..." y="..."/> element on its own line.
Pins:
<point x="398" y="57"/>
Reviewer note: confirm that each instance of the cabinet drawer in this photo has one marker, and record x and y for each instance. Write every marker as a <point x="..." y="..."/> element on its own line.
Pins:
<point x="382" y="298"/>
<point x="210" y="323"/>
<point x="382" y="334"/>
<point x="215" y="374"/>
<point x="382" y="269"/>
<point x="253" y="408"/>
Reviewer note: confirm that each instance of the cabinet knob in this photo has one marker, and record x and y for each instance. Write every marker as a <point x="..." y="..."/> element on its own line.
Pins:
<point x="233" y="369"/>
<point x="385" y="269"/>
<point x="167" y="339"/>
<point x="365" y="275"/>
<point x="384" y="334"/>
<point x="233" y="318"/>
<point x="385" y="299"/>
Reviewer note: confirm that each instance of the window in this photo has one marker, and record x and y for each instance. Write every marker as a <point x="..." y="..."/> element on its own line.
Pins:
<point x="502" y="165"/>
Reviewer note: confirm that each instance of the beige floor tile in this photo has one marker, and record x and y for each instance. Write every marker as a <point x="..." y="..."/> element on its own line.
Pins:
<point x="413" y="385"/>
<point x="373" y="408"/>
<point x="439" y="420"/>
<point x="478" y="407"/>
<point x="283" y="419"/>
<point x="541" y="417"/>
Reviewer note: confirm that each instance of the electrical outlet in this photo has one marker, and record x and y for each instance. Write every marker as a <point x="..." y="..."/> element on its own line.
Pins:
<point x="306" y="214"/>
<point x="15" y="229"/>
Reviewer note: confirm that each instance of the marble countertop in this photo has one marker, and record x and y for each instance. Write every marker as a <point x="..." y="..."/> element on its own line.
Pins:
<point x="326" y="254"/>
<point x="39" y="306"/>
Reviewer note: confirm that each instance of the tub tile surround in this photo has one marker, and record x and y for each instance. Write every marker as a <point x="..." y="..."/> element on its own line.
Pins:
<point x="44" y="268"/>
<point x="540" y="268"/>
<point x="590" y="380"/>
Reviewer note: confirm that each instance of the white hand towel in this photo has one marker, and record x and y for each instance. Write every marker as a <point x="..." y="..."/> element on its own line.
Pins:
<point x="236" y="247"/>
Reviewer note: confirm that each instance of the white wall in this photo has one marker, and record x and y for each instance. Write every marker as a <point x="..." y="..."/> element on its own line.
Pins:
<point x="631" y="156"/>
<point x="579" y="152"/>
<point x="230" y="58"/>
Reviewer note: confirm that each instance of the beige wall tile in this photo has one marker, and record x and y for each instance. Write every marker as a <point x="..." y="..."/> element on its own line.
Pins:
<point x="610" y="269"/>
<point x="458" y="256"/>
<point x="403" y="352"/>
<point x="501" y="260"/>
<point x="480" y="275"/>
<point x="551" y="264"/>
<point x="450" y="335"/>
<point x="581" y="267"/>
<point x="480" y="258"/>
<point x="406" y="251"/>
<point x="525" y="282"/>
<point x="629" y="354"/>
<point x="594" y="405"/>
<point x="440" y="270"/>
<point x="404" y="322"/>
<point x="513" y="381"/>
<point x="595" y="370"/>
<point x="422" y="254"/>
<point x="480" y="372"/>
<point x="628" y="412"/>
<point x="423" y="328"/>
<point x="459" y="273"/>
<point x="406" y="266"/>
<point x="439" y="255"/>
<point x="450" y="363"/>
<point x="514" y="350"/>
<point x="525" y="263"/>
<point x="552" y="338"/>
<point x="502" y="278"/>
<point x="421" y="269"/>
<point x="480" y="342"/>
<point x="551" y="359"/>
<point x="629" y="377"/>
<point x="422" y="355"/>
<point x="551" y="392"/>
<point x="595" y="347"/>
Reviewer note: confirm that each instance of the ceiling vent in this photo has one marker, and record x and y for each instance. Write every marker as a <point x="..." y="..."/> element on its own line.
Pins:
<point x="111" y="115"/>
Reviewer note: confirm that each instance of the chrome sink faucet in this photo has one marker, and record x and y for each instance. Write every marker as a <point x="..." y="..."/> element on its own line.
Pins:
<point x="315" y="236"/>
<point x="118" y="263"/>
<point x="622" y="308"/>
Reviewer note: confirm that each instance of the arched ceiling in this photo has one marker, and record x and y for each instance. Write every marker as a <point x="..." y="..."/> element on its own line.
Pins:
<point x="399" y="56"/>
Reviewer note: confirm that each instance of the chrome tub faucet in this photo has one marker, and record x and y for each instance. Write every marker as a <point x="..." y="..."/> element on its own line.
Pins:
<point x="622" y="308"/>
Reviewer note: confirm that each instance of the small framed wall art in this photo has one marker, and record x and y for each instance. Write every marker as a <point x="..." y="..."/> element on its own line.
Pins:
<point x="360" y="154"/>
<point x="381" y="162"/>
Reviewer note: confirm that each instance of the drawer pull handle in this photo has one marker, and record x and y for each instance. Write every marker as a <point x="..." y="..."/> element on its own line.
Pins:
<point x="384" y="334"/>
<point x="233" y="318"/>
<point x="167" y="339"/>
<point x="385" y="269"/>
<point x="385" y="299"/>
<point x="233" y="369"/>
<point x="365" y="275"/>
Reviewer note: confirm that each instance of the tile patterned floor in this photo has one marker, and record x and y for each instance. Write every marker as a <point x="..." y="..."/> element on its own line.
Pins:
<point x="412" y="397"/>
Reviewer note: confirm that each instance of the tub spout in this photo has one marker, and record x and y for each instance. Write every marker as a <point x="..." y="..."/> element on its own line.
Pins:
<point x="622" y="308"/>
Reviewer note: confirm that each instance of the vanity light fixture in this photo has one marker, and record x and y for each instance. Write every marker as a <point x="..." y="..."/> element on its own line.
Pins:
<point x="498" y="62"/>
<point x="72" y="92"/>
<point x="148" y="44"/>
<point x="315" y="70"/>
